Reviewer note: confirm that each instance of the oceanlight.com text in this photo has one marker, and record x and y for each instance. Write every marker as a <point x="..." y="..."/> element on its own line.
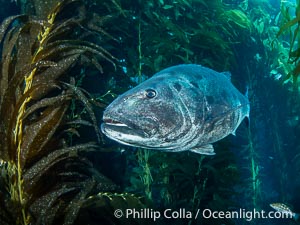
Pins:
<point x="248" y="215"/>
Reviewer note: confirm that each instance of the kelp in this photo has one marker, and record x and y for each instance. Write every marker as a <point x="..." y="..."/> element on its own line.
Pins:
<point x="237" y="19"/>
<point x="291" y="26"/>
<point x="45" y="176"/>
<point x="174" y="33"/>
<point x="117" y="202"/>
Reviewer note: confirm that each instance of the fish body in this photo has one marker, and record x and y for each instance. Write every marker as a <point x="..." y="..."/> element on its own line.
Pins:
<point x="181" y="108"/>
<point x="284" y="209"/>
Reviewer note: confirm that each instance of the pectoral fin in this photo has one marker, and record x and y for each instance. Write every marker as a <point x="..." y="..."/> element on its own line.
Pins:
<point x="204" y="150"/>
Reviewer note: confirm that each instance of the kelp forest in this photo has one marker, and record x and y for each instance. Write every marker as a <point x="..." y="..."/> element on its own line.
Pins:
<point x="63" y="62"/>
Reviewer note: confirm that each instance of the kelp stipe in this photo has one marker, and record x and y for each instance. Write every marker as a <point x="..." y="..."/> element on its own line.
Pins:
<point x="45" y="179"/>
<point x="253" y="170"/>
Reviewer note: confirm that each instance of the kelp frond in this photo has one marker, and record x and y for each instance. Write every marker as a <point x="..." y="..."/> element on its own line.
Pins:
<point x="98" y="203"/>
<point x="291" y="26"/>
<point x="42" y="165"/>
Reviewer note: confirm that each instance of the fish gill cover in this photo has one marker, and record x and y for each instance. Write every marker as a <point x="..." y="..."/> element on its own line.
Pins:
<point x="63" y="62"/>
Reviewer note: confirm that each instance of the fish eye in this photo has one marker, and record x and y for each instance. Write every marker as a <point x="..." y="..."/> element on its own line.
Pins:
<point x="150" y="93"/>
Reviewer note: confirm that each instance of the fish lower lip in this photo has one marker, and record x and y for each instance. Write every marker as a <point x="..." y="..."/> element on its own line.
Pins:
<point x="112" y="122"/>
<point x="116" y="124"/>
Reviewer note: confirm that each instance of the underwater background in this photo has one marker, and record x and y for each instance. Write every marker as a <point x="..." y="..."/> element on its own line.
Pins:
<point x="63" y="62"/>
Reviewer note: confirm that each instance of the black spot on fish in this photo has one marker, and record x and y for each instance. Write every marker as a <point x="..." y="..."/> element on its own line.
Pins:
<point x="167" y="140"/>
<point x="194" y="84"/>
<point x="177" y="86"/>
<point x="210" y="99"/>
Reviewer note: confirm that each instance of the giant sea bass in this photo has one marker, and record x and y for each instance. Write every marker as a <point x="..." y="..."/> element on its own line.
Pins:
<point x="182" y="108"/>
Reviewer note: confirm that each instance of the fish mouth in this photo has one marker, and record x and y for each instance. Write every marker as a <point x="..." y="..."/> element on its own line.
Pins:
<point x="112" y="122"/>
<point x="110" y="125"/>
